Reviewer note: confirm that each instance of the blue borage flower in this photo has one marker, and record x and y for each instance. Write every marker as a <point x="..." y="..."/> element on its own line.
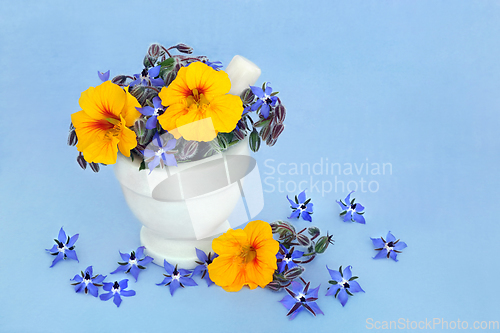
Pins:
<point x="343" y="284"/>
<point x="300" y="298"/>
<point x="214" y="64"/>
<point x="147" y="77"/>
<point x="202" y="265"/>
<point x="152" y="112"/>
<point x="176" y="278"/>
<point x="104" y="76"/>
<point x="115" y="291"/>
<point x="266" y="99"/>
<point x="301" y="207"/>
<point x="87" y="282"/>
<point x="133" y="262"/>
<point x="352" y="211"/>
<point x="64" y="247"/>
<point x="389" y="247"/>
<point x="160" y="153"/>
<point x="287" y="259"/>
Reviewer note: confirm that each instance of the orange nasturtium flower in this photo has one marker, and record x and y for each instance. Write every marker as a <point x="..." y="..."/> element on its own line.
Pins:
<point x="198" y="104"/>
<point x="102" y="125"/>
<point x="246" y="257"/>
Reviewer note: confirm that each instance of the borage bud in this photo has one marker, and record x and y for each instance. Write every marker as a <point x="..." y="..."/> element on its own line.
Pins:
<point x="81" y="161"/>
<point x="271" y="142"/>
<point x="140" y="128"/>
<point x="94" y="166"/>
<point x="314" y="231"/>
<point x="274" y="286"/>
<point x="149" y="61"/>
<point x="293" y="273"/>
<point x="254" y="141"/>
<point x="247" y="96"/>
<point x="223" y="142"/>
<point x="277" y="130"/>
<point x="170" y="77"/>
<point x="188" y="150"/>
<point x="72" y="138"/>
<point x="303" y="240"/>
<point x="265" y="133"/>
<point x="119" y="80"/>
<point x="239" y="135"/>
<point x="280" y="113"/>
<point x="183" y="48"/>
<point x="155" y="50"/>
<point x="323" y="243"/>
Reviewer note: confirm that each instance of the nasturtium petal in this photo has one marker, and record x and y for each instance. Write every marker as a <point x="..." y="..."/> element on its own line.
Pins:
<point x="128" y="141"/>
<point x="104" y="101"/>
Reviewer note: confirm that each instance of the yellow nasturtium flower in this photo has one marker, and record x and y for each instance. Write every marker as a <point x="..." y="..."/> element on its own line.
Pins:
<point x="102" y="125"/>
<point x="198" y="104"/>
<point x="246" y="257"/>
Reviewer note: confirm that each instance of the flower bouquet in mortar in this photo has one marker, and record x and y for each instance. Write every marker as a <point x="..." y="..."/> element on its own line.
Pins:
<point x="180" y="133"/>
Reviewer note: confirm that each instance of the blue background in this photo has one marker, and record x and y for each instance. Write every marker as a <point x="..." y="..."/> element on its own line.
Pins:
<point x="411" y="83"/>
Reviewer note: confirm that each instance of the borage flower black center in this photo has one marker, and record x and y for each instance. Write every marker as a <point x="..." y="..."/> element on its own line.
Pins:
<point x="346" y="285"/>
<point x="353" y="207"/>
<point x="87" y="276"/>
<point x="116" y="286"/>
<point x="390" y="244"/>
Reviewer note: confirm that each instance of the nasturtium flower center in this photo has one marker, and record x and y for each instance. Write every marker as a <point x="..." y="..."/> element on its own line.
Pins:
<point x="197" y="101"/>
<point x="248" y="254"/>
<point x="115" y="131"/>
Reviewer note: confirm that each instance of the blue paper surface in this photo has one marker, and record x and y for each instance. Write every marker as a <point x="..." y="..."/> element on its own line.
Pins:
<point x="405" y="94"/>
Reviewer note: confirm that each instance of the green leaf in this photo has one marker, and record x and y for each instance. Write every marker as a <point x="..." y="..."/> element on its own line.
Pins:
<point x="123" y="263"/>
<point x="343" y="213"/>
<point x="275" y="93"/>
<point x="296" y="200"/>
<point x="333" y="282"/>
<point x="360" y="213"/>
<point x="338" y="290"/>
<point x="352" y="201"/>
<point x="143" y="166"/>
<point x="348" y="292"/>
<point x="353" y="278"/>
<point x="167" y="63"/>
<point x="307" y="201"/>
<point x="340" y="271"/>
<point x="132" y="157"/>
<point x="264" y="86"/>
<point x="262" y="123"/>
